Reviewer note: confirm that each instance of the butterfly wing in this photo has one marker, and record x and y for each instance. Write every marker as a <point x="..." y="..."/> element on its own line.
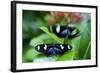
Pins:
<point x="53" y="49"/>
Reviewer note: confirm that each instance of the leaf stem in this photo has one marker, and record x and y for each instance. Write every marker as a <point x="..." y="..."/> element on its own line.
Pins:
<point x="86" y="51"/>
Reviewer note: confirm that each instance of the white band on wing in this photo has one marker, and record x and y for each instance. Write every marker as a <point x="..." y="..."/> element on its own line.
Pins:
<point x="58" y="29"/>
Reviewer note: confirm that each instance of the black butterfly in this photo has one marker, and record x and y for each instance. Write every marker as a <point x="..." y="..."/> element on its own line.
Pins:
<point x="53" y="49"/>
<point x="64" y="31"/>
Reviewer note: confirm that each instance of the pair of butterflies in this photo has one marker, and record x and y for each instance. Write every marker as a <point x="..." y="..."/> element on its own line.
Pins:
<point x="58" y="49"/>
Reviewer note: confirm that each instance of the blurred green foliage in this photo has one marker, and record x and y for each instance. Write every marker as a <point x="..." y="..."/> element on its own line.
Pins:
<point x="35" y="32"/>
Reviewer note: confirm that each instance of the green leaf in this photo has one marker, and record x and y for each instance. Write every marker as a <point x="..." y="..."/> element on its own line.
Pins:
<point x="35" y="41"/>
<point x="88" y="52"/>
<point x="42" y="39"/>
<point x="81" y="43"/>
<point x="75" y="45"/>
<point x="30" y="55"/>
<point x="57" y="39"/>
<point x="66" y="56"/>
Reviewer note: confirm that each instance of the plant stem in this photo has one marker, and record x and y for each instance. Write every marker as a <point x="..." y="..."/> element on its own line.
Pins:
<point x="66" y="40"/>
<point x="87" y="51"/>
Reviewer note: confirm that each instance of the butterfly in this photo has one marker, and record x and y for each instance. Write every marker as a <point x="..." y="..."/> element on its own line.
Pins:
<point x="53" y="49"/>
<point x="64" y="31"/>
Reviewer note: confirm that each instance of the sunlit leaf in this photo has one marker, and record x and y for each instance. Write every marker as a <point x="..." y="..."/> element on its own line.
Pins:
<point x="42" y="39"/>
